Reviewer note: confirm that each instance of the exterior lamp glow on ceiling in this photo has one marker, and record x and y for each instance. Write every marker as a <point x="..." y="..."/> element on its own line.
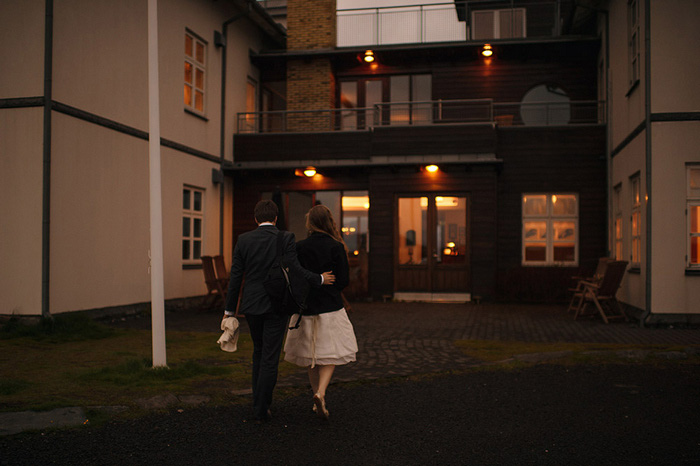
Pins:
<point x="431" y="168"/>
<point x="309" y="171"/>
<point x="369" y="56"/>
<point x="487" y="51"/>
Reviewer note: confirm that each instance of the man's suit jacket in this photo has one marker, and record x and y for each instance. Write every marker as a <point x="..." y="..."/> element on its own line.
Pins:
<point x="254" y="254"/>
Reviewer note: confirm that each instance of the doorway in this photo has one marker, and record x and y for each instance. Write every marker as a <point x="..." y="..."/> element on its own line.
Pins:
<point x="432" y="247"/>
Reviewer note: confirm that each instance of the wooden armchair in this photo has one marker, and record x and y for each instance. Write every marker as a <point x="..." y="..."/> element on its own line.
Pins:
<point x="595" y="278"/>
<point x="603" y="294"/>
<point x="213" y="283"/>
<point x="221" y="272"/>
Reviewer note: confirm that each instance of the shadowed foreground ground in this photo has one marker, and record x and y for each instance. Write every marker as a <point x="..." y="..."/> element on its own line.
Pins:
<point x="582" y="415"/>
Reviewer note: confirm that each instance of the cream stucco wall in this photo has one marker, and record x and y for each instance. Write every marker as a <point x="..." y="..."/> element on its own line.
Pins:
<point x="99" y="217"/>
<point x="626" y="104"/>
<point x="101" y="58"/>
<point x="673" y="144"/>
<point x="20" y="210"/>
<point x="179" y="170"/>
<point x="674" y="56"/>
<point x="624" y="165"/>
<point x="22" y="38"/>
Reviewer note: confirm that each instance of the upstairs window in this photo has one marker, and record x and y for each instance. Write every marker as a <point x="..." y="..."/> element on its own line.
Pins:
<point x="550" y="229"/>
<point x="498" y="24"/>
<point x="693" y="213"/>
<point x="195" y="68"/>
<point x="633" y="40"/>
<point x="192" y="224"/>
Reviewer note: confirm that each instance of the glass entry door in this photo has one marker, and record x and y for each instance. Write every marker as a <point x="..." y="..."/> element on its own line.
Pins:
<point x="432" y="244"/>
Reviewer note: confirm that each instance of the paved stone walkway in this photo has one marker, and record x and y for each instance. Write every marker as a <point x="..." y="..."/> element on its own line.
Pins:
<point x="399" y="339"/>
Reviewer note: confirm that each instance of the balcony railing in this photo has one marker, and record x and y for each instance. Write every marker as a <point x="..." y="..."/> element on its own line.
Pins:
<point x="433" y="112"/>
<point x="451" y="21"/>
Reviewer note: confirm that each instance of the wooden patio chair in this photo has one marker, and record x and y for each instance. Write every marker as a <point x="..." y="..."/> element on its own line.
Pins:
<point x="213" y="284"/>
<point x="602" y="294"/>
<point x="595" y="278"/>
<point x="221" y="271"/>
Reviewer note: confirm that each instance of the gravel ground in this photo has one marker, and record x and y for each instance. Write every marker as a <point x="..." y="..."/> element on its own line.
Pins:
<point x="582" y="415"/>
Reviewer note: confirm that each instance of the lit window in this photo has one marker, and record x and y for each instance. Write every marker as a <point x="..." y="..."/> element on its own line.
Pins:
<point x="192" y="223"/>
<point x="693" y="210"/>
<point x="617" y="208"/>
<point x="550" y="229"/>
<point x="636" y="222"/>
<point x="195" y="59"/>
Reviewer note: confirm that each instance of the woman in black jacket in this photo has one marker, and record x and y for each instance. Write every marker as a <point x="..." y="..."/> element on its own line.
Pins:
<point x="325" y="338"/>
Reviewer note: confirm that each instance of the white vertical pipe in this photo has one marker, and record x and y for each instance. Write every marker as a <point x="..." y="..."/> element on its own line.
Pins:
<point x="157" y="292"/>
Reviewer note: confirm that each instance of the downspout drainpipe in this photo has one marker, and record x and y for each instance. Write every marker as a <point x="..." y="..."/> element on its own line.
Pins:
<point x="46" y="179"/>
<point x="222" y="141"/>
<point x="648" y="172"/>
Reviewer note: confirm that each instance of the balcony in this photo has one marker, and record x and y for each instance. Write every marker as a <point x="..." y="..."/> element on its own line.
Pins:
<point x="473" y="20"/>
<point x="425" y="113"/>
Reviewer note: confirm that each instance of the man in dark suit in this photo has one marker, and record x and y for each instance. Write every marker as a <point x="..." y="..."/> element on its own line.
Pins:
<point x="254" y="254"/>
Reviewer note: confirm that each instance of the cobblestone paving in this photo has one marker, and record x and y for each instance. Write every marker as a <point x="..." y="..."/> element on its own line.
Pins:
<point x="399" y="339"/>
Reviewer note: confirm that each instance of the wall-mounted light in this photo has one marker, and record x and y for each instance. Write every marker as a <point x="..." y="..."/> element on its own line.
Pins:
<point x="487" y="51"/>
<point x="431" y="168"/>
<point x="308" y="172"/>
<point x="369" y="56"/>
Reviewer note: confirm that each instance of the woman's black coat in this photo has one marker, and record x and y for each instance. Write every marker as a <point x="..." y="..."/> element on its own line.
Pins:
<point x="320" y="253"/>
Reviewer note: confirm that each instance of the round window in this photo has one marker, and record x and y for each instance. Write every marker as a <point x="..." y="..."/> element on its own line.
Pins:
<point x="545" y="105"/>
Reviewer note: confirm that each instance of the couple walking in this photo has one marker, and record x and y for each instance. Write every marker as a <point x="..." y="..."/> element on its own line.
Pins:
<point x="325" y="337"/>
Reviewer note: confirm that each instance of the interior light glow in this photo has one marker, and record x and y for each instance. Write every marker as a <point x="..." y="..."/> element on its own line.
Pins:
<point x="487" y="51"/>
<point x="309" y="171"/>
<point x="369" y="56"/>
<point x="431" y="168"/>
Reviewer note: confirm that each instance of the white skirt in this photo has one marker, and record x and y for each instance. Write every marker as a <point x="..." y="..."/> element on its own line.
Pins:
<point x="325" y="340"/>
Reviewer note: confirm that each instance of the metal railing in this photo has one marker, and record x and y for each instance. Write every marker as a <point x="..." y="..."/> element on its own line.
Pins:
<point x="446" y="22"/>
<point x="433" y="112"/>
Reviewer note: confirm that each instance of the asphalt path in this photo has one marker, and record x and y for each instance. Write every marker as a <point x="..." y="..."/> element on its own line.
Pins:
<point x="616" y="414"/>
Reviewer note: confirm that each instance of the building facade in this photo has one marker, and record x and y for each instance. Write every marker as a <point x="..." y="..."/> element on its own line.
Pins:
<point x="654" y="121"/>
<point x="453" y="174"/>
<point x="74" y="145"/>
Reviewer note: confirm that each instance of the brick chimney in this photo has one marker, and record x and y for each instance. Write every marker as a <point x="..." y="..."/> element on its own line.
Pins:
<point x="311" y="25"/>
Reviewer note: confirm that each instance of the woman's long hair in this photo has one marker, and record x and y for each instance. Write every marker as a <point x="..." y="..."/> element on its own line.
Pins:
<point x="320" y="220"/>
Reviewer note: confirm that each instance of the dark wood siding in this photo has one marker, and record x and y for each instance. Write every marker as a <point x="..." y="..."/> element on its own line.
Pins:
<point x="434" y="139"/>
<point x="549" y="160"/>
<point x="478" y="181"/>
<point x="301" y="146"/>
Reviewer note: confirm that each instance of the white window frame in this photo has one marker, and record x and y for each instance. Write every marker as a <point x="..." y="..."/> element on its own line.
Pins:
<point x="496" y="24"/>
<point x="636" y="233"/>
<point x="633" y="41"/>
<point x="693" y="200"/>
<point x="190" y="215"/>
<point x="196" y="65"/>
<point x="549" y="218"/>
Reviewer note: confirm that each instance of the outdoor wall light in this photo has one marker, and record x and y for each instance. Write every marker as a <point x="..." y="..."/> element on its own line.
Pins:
<point x="309" y="172"/>
<point x="369" y="56"/>
<point x="487" y="51"/>
<point x="431" y="168"/>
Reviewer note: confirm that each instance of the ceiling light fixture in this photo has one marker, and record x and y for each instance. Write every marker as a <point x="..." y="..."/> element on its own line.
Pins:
<point x="487" y="51"/>
<point x="369" y="56"/>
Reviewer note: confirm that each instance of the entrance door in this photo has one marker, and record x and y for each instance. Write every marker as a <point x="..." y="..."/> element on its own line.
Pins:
<point x="432" y="245"/>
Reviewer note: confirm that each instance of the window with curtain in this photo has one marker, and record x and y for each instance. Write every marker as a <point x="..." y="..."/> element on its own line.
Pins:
<point x="550" y="229"/>
<point x="195" y="68"/>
